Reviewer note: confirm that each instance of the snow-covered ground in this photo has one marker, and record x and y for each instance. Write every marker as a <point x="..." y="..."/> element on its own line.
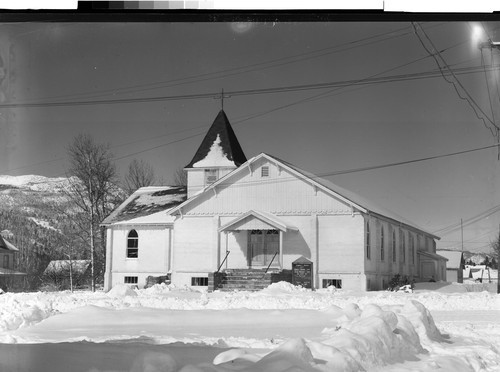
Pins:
<point x="282" y="328"/>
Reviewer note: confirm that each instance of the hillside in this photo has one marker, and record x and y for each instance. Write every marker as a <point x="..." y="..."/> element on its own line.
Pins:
<point x="34" y="217"/>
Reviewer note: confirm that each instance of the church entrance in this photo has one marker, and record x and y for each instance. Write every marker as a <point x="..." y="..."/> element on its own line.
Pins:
<point x="263" y="245"/>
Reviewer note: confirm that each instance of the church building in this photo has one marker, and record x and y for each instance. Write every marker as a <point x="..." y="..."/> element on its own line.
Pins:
<point x="244" y="223"/>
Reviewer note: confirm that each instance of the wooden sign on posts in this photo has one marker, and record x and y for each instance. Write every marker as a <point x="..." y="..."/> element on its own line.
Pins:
<point x="302" y="272"/>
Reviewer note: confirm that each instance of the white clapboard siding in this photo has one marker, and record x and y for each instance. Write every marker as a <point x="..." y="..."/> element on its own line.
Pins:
<point x="279" y="193"/>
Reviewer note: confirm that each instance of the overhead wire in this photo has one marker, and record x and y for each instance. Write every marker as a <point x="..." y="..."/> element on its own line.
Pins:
<point x="469" y="99"/>
<point x="241" y="69"/>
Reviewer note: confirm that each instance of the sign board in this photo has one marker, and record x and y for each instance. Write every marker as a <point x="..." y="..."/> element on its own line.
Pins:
<point x="302" y="272"/>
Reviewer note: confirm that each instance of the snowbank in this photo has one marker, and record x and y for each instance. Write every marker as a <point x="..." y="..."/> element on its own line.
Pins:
<point x="281" y="328"/>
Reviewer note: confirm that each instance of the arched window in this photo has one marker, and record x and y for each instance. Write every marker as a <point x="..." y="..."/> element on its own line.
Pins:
<point x="382" y="252"/>
<point x="394" y="245"/>
<point x="132" y="244"/>
<point x="368" y="253"/>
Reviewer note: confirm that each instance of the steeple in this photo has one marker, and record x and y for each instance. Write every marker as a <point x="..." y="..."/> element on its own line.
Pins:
<point x="220" y="147"/>
<point x="218" y="154"/>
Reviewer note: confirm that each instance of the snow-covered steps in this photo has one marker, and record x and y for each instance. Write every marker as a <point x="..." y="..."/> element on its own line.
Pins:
<point x="248" y="279"/>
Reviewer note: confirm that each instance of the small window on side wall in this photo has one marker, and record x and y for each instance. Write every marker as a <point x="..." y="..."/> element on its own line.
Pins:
<point x="199" y="281"/>
<point x="131" y="280"/>
<point x="264" y="171"/>
<point x="337" y="283"/>
<point x="132" y="244"/>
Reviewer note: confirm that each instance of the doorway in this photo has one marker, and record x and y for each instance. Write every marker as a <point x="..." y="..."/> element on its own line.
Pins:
<point x="263" y="245"/>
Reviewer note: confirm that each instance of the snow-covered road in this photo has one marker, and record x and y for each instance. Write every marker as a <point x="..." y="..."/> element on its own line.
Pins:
<point x="276" y="329"/>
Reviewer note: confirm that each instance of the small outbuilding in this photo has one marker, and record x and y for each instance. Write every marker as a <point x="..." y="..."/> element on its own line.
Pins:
<point x="10" y="278"/>
<point x="455" y="265"/>
<point x="62" y="272"/>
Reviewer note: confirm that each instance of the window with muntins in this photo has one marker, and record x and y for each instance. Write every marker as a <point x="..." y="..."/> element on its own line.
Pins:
<point x="337" y="283"/>
<point x="264" y="171"/>
<point x="368" y="253"/>
<point x="199" y="281"/>
<point x="132" y="244"/>
<point x="131" y="280"/>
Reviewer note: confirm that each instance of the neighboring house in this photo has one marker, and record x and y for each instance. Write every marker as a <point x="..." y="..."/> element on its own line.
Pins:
<point x="477" y="273"/>
<point x="10" y="278"/>
<point x="59" y="273"/>
<point x="455" y="265"/>
<point x="260" y="213"/>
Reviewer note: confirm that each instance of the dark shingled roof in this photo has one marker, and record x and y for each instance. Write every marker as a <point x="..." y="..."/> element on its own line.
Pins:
<point x="146" y="201"/>
<point x="229" y="142"/>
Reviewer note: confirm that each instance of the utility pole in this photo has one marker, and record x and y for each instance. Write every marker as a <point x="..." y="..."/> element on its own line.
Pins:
<point x="462" y="230"/>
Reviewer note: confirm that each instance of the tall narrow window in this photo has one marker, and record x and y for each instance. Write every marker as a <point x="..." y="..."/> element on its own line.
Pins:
<point x="210" y="176"/>
<point x="403" y="246"/>
<point x="382" y="252"/>
<point x="368" y="253"/>
<point x="394" y="245"/>
<point x="132" y="244"/>
<point x="412" y="249"/>
<point x="264" y="172"/>
<point x="6" y="261"/>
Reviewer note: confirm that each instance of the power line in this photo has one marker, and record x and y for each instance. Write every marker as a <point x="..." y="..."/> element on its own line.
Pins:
<point x="469" y="98"/>
<point x="241" y="69"/>
<point x="284" y="89"/>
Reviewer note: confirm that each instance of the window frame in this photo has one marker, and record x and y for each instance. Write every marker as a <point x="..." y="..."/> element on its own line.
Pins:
<point x="6" y="261"/>
<point x="327" y="282"/>
<point x="264" y="171"/>
<point x="394" y="246"/>
<point x="382" y="248"/>
<point x="131" y="248"/>
<point x="199" y="281"/>
<point x="368" y="243"/>
<point x="130" y="279"/>
<point x="210" y="172"/>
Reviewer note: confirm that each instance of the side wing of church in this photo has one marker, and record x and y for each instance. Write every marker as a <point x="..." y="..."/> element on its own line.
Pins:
<point x="261" y="215"/>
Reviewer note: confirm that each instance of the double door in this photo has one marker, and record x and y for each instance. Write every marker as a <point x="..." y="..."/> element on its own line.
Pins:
<point x="263" y="245"/>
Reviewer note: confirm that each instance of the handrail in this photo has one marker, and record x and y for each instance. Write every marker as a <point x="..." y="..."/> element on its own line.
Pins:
<point x="224" y="260"/>
<point x="270" y="263"/>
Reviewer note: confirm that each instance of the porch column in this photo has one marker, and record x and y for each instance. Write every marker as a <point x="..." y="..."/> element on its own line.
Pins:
<point x="281" y="249"/>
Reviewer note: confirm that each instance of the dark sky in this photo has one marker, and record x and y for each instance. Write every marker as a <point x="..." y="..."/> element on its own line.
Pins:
<point x="346" y="128"/>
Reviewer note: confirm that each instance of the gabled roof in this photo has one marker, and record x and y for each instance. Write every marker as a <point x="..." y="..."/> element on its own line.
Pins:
<point x="454" y="258"/>
<point x="220" y="147"/>
<point x="4" y="244"/>
<point x="268" y="218"/>
<point x="147" y="202"/>
<point x="359" y="203"/>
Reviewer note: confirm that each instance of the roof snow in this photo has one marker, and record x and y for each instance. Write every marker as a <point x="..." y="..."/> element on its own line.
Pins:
<point x="220" y="147"/>
<point x="60" y="266"/>
<point x="215" y="157"/>
<point x="4" y="244"/>
<point x="147" y="201"/>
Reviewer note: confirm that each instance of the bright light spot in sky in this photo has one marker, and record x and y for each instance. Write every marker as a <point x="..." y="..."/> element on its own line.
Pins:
<point x="477" y="33"/>
<point x="241" y="27"/>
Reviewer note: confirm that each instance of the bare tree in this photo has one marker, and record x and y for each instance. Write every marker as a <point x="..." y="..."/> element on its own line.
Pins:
<point x="495" y="245"/>
<point x="180" y="177"/>
<point x="92" y="192"/>
<point x="139" y="174"/>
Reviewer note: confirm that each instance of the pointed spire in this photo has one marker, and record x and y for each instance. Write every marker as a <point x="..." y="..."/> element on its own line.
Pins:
<point x="220" y="147"/>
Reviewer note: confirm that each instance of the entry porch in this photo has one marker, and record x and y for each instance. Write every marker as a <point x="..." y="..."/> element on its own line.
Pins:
<point x="253" y="240"/>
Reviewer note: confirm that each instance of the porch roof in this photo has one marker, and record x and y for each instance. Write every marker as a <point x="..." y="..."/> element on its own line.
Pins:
<point x="257" y="220"/>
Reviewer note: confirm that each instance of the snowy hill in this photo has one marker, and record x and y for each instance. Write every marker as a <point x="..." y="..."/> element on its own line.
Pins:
<point x="34" y="183"/>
